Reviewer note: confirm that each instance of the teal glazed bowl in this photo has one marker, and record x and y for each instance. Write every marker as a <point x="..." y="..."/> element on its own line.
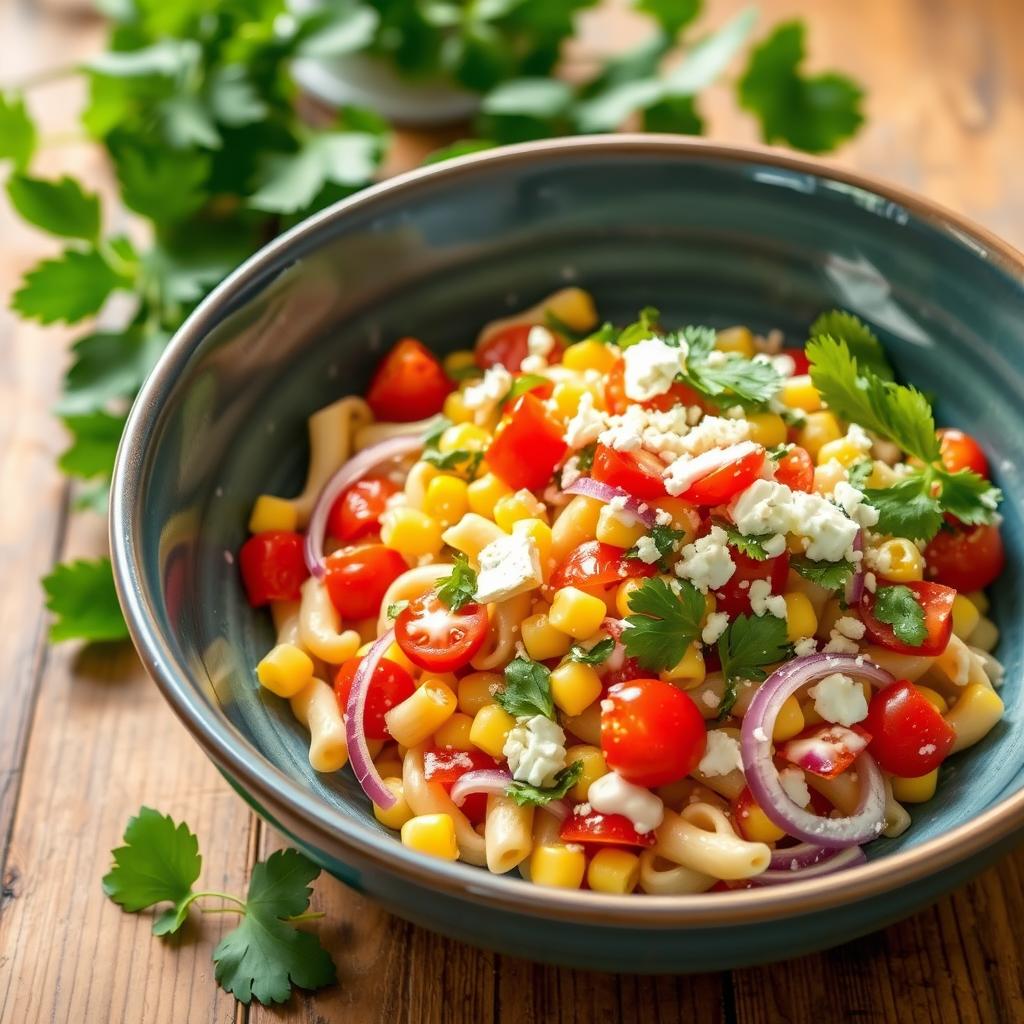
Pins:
<point x="708" y="234"/>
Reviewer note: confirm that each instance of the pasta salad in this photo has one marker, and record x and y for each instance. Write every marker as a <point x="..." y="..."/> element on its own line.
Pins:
<point x="632" y="608"/>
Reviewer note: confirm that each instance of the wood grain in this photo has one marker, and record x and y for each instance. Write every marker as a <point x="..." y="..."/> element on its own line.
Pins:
<point x="85" y="739"/>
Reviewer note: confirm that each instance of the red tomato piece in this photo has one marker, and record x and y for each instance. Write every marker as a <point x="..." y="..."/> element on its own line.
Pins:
<point x="826" y="750"/>
<point x="357" y="511"/>
<point x="937" y="602"/>
<point x="638" y="473"/>
<point x="616" y="401"/>
<point x="965" y="558"/>
<point x="651" y="733"/>
<point x="358" y="577"/>
<point x="908" y="735"/>
<point x="390" y="685"/>
<point x="527" y="445"/>
<point x="722" y="484"/>
<point x="961" y="451"/>
<point x="734" y="597"/>
<point x="446" y="767"/>
<point x="801" y="364"/>
<point x="604" y="830"/>
<point x="618" y="670"/>
<point x="436" y="638"/>
<point x="409" y="384"/>
<point x="594" y="563"/>
<point x="508" y="346"/>
<point x="273" y="566"/>
<point x="796" y="470"/>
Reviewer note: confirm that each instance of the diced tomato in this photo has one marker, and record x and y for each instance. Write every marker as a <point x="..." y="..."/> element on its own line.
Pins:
<point x="446" y="767"/>
<point x="357" y="511"/>
<point x="358" y="577"/>
<point x="651" y="732"/>
<point x="594" y="563"/>
<point x="603" y="830"/>
<point x="638" y="473"/>
<point x="436" y="638"/>
<point x="908" y="735"/>
<point x="273" y="566"/>
<point x="612" y="671"/>
<point x="937" y="602"/>
<point x="720" y="485"/>
<point x="508" y="346"/>
<point x="801" y="364"/>
<point x="734" y="597"/>
<point x="965" y="558"/>
<point x="527" y="445"/>
<point x="826" y="750"/>
<point x="616" y="401"/>
<point x="796" y="470"/>
<point x="961" y="451"/>
<point x="409" y="384"/>
<point x="390" y="685"/>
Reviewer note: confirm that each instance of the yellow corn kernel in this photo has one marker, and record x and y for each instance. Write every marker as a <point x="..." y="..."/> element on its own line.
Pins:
<point x="491" y="726"/>
<point x="622" y="593"/>
<point x="456" y="410"/>
<point x="464" y="437"/>
<point x="509" y="509"/>
<point x="590" y="355"/>
<point x="461" y="359"/>
<point x="432" y="834"/>
<point x="800" y="618"/>
<point x="393" y="653"/>
<point x="411" y="532"/>
<point x="421" y="714"/>
<point x="975" y="712"/>
<point x="618" y="528"/>
<point x="758" y="827"/>
<point x="882" y="475"/>
<point x="477" y="690"/>
<point x="484" y="492"/>
<point x="916" y="790"/>
<point x="454" y="734"/>
<point x="446" y="499"/>
<point x="594" y="767"/>
<point x="818" y="430"/>
<point x="689" y="671"/>
<point x="559" y="866"/>
<point x="899" y="560"/>
<point x="284" y="670"/>
<point x="574" y="687"/>
<point x="767" y="429"/>
<point x="980" y="600"/>
<point x="616" y="871"/>
<point x="799" y="393"/>
<point x="574" y="307"/>
<point x="567" y="394"/>
<point x="684" y="517"/>
<point x="933" y="697"/>
<point x="395" y="817"/>
<point x="736" y="339"/>
<point x="542" y="640"/>
<point x="576" y="613"/>
<point x="843" y="450"/>
<point x="789" y="722"/>
<point x="965" y="616"/>
<point x="827" y="475"/>
<point x="540" y="533"/>
<point x="270" y="513"/>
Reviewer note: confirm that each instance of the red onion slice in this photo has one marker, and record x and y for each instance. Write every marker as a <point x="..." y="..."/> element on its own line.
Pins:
<point x="354" y="470"/>
<point x="847" y="858"/>
<point x="591" y="488"/>
<point x="615" y="660"/>
<point x="855" y="584"/>
<point x="558" y="808"/>
<point x="492" y="781"/>
<point x="359" y="755"/>
<point x="802" y="855"/>
<point x="756" y="750"/>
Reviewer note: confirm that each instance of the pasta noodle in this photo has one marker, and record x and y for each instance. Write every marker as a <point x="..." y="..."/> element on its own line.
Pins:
<point x="508" y="833"/>
<point x="499" y="648"/>
<point x="701" y="838"/>
<point x="660" y="877"/>
<point x="320" y="626"/>
<point x="317" y="709"/>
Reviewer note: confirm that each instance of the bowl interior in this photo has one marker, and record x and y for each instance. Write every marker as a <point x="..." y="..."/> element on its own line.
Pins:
<point x="706" y="236"/>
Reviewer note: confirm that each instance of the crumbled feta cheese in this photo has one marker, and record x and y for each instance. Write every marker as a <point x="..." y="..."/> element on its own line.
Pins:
<point x="508" y="566"/>
<point x="839" y="644"/>
<point x="585" y="425"/>
<point x="928" y="748"/>
<point x="839" y="699"/>
<point x="859" y="438"/>
<point x="764" y="507"/>
<point x="663" y="517"/>
<point x="717" y="624"/>
<point x="804" y="646"/>
<point x="484" y="397"/>
<point x="851" y="501"/>
<point x="570" y="472"/>
<point x="612" y="794"/>
<point x="533" y="364"/>
<point x="760" y="735"/>
<point x="774" y="545"/>
<point x="722" y="755"/>
<point x="870" y="582"/>
<point x="713" y="432"/>
<point x="650" y="368"/>
<point x="535" y="750"/>
<point x="763" y="602"/>
<point x="794" y="785"/>
<point x="710" y="699"/>
<point x="647" y="550"/>
<point x="540" y="341"/>
<point x="706" y="563"/>
<point x="880" y="559"/>
<point x="851" y="628"/>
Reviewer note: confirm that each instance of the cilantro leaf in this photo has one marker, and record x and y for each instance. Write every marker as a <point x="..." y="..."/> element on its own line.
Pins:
<point x="968" y="496"/>
<point x="862" y="342"/>
<point x="458" y="589"/>
<point x="751" y="545"/>
<point x="527" y="690"/>
<point x="859" y="472"/>
<point x="726" y="379"/>
<point x="907" y="508"/>
<point x="159" y="862"/>
<point x="748" y="646"/>
<point x="61" y="207"/>
<point x="671" y="15"/>
<point x="96" y="436"/>
<point x="337" y="30"/>
<point x="665" y="540"/>
<point x="17" y="131"/>
<point x="541" y="98"/>
<point x="396" y="608"/>
<point x="82" y="596"/>
<point x="107" y="368"/>
<point x="264" y="956"/>
<point x="779" y="452"/>
<point x="560" y="327"/>
<point x="161" y="183"/>
<point x="811" y="113"/>
<point x="433" y="436"/>
<point x="585" y="458"/>
<point x="69" y="288"/>
<point x="645" y="326"/>
<point x="831" y="575"/>
<point x="897" y="607"/>
<point x="466" y="462"/>
<point x="537" y="796"/>
<point x="666" y="622"/>
<point x="522" y="384"/>
<point x="596" y="655"/>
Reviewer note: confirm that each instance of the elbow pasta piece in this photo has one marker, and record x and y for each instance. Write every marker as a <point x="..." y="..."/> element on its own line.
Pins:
<point x="985" y="634"/>
<point x="417" y="482"/>
<point x="421" y="714"/>
<point x="587" y="726"/>
<point x="286" y="622"/>
<point x="902" y="666"/>
<point x="316" y="708"/>
<point x="576" y="523"/>
<point x="660" y="877"/>
<point x="897" y="820"/>
<point x="959" y="666"/>
<point x="730" y="785"/>
<point x="471" y="534"/>
<point x="370" y="433"/>
<point x="701" y="838"/>
<point x="410" y="585"/>
<point x="842" y="791"/>
<point x="508" y="833"/>
<point x="320" y="626"/>
<point x="500" y="646"/>
<point x="974" y="715"/>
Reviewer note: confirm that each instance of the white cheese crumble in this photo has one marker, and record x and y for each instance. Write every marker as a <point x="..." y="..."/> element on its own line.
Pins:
<point x="508" y="566"/>
<point x="710" y="699"/>
<point x="651" y="367"/>
<point x="540" y="341"/>
<point x="851" y="501"/>
<point x="794" y="785"/>
<point x="585" y="425"/>
<point x="533" y="364"/>
<point x="722" y="755"/>
<point x="612" y="794"/>
<point x="647" y="550"/>
<point x="763" y="602"/>
<point x="570" y="472"/>
<point x="483" y="398"/>
<point x="717" y="624"/>
<point x="804" y="646"/>
<point x="706" y="563"/>
<point x="684" y="472"/>
<point x="851" y="628"/>
<point x="839" y="644"/>
<point x="839" y="699"/>
<point x="535" y="750"/>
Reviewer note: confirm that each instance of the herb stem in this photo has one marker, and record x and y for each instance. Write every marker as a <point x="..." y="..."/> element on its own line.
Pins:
<point x="213" y="894"/>
<point x="309" y="915"/>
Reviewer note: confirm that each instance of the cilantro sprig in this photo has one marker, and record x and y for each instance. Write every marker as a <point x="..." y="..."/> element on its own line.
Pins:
<point x="831" y="575"/>
<point x="538" y="796"/>
<point x="265" y="955"/>
<point x="666" y="621"/>
<point x="726" y="379"/>
<point x="752" y="545"/>
<point x="666" y="540"/>
<point x="748" y="646"/>
<point x="527" y="690"/>
<point x="596" y="655"/>
<point x="898" y="607"/>
<point x="458" y="589"/>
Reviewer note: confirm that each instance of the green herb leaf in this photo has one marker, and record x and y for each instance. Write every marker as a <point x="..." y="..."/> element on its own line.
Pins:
<point x="861" y="341"/>
<point x="433" y="436"/>
<point x="527" y="690"/>
<point x="665" y="624"/>
<point x="95" y="439"/>
<point x="465" y="462"/>
<point x="645" y="326"/>
<point x="537" y="796"/>
<point x="161" y="183"/>
<point x="748" y="646"/>
<point x="585" y="458"/>
<point x="907" y="508"/>
<point x="522" y="384"/>
<point x="234" y="98"/>
<point x="727" y="381"/>
<point x="68" y="289"/>
<point x="17" y="131"/>
<point x="752" y="546"/>
<point x="596" y="655"/>
<point x="968" y="496"/>
<point x="60" y="207"/>
<point x="859" y="472"/>
<point x="665" y="540"/>
<point x="108" y="368"/>
<point x="396" y="608"/>
<point x="897" y="607"/>
<point x="671" y="15"/>
<point x="831" y="575"/>
<point x="541" y="98"/>
<point x="82" y="596"/>
<point x="339" y="30"/>
<point x="458" y="589"/>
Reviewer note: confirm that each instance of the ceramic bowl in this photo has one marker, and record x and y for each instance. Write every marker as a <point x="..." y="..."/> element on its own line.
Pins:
<point x="707" y="233"/>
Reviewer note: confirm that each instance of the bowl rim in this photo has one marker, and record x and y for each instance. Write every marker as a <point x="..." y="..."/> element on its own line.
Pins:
<point x="271" y="788"/>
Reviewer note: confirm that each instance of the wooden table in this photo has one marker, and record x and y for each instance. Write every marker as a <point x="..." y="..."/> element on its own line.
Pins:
<point x="85" y="738"/>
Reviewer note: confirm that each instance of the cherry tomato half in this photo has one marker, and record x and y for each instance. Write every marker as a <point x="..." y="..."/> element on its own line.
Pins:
<point x="436" y="638"/>
<point x="618" y="670"/>
<point x="796" y="470"/>
<point x="651" y="733"/>
<point x="445" y="767"/>
<point x="594" y="563"/>
<point x="358" y="577"/>
<point x="637" y="472"/>
<point x="616" y="401"/>
<point x="726" y="482"/>
<point x="527" y="445"/>
<point x="273" y="566"/>
<point x="908" y="735"/>
<point x="937" y="602"/>
<point x="390" y="685"/>
<point x="734" y="597"/>
<point x="961" y="451"/>
<point x="826" y="750"/>
<point x="509" y="347"/>
<point x="966" y="558"/>
<point x="409" y="384"/>
<point x="357" y="511"/>
<point x="604" y="830"/>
